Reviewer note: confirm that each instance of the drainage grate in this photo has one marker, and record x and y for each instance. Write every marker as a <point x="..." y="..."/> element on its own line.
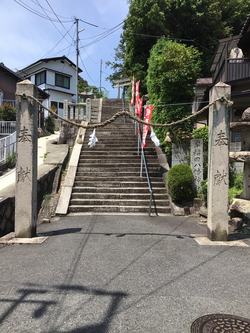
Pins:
<point x="220" y="323"/>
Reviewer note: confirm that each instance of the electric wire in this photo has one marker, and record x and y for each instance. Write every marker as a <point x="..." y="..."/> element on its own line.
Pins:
<point x="52" y="21"/>
<point x="52" y="12"/>
<point x="32" y="10"/>
<point x="101" y="38"/>
<point x="86" y="70"/>
<point x="58" y="43"/>
<point x="58" y="18"/>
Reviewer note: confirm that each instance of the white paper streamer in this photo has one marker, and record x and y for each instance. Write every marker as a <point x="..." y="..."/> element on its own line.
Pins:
<point x="92" y="140"/>
<point x="154" y="138"/>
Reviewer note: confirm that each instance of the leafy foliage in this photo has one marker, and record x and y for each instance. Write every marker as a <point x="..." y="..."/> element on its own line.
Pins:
<point x="11" y="160"/>
<point x="202" y="133"/>
<point x="202" y="193"/>
<point x="50" y="124"/>
<point x="173" y="68"/>
<point x="199" y="23"/>
<point x="180" y="182"/>
<point x="7" y="112"/>
<point x="82" y="84"/>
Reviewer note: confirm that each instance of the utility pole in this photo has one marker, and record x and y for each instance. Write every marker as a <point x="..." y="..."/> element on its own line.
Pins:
<point x="101" y="77"/>
<point x="77" y="55"/>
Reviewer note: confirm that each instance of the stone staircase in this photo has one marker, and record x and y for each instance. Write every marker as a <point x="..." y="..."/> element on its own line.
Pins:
<point x="108" y="175"/>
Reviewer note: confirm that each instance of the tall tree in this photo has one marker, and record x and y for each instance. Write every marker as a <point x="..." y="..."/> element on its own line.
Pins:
<point x="195" y="22"/>
<point x="173" y="69"/>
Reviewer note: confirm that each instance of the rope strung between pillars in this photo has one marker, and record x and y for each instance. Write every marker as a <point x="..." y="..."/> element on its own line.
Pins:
<point x="126" y="113"/>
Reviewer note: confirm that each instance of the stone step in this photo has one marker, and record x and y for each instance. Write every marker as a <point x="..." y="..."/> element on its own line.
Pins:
<point x="120" y="209"/>
<point x="115" y="159"/>
<point x="114" y="174"/>
<point x="106" y="179"/>
<point x="133" y="169"/>
<point x="116" y="153"/>
<point x="123" y="196"/>
<point x="119" y="161"/>
<point x="121" y="190"/>
<point x="117" y="184"/>
<point x="115" y="202"/>
<point x="152" y="167"/>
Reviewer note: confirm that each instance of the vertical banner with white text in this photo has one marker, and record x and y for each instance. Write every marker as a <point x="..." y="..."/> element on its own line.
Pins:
<point x="133" y="90"/>
<point x="147" y="117"/>
<point x="137" y="97"/>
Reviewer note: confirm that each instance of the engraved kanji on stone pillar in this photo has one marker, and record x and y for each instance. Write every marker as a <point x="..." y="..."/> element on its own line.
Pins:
<point x="218" y="164"/>
<point x="26" y="161"/>
<point x="197" y="162"/>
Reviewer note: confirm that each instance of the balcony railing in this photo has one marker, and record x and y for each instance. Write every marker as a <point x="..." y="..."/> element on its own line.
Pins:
<point x="237" y="69"/>
<point x="7" y="127"/>
<point x="7" y="146"/>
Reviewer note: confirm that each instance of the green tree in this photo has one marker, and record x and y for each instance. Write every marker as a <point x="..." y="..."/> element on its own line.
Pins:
<point x="199" y="23"/>
<point x="173" y="69"/>
<point x="82" y="84"/>
<point x="7" y="112"/>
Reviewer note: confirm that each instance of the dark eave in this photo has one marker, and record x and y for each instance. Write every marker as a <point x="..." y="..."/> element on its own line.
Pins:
<point x="63" y="58"/>
<point x="245" y="26"/>
<point x="10" y="71"/>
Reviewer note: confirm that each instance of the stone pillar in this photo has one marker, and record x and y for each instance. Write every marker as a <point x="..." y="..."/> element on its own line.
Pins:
<point x="65" y="109"/>
<point x="76" y="112"/>
<point x="81" y="113"/>
<point x="197" y="162"/>
<point x="71" y="112"/>
<point x="218" y="164"/>
<point x="26" y="161"/>
<point x="88" y="110"/>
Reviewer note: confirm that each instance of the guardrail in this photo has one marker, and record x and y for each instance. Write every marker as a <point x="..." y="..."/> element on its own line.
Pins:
<point x="77" y="111"/>
<point x="7" y="146"/>
<point x="7" y="127"/>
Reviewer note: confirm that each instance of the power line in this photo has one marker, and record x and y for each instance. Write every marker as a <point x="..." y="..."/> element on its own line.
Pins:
<point x="58" y="18"/>
<point x="52" y="21"/>
<point x="59" y="43"/>
<point x="103" y="33"/>
<point x="90" y="57"/>
<point x="32" y="10"/>
<point x="88" y="23"/>
<point x="51" y="12"/>
<point x="101" y="38"/>
<point x="87" y="71"/>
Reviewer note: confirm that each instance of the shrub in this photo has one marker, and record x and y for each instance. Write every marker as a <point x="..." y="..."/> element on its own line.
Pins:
<point x="50" y="124"/>
<point x="7" y="112"/>
<point x="180" y="182"/>
<point x="11" y="161"/>
<point x="202" y="193"/>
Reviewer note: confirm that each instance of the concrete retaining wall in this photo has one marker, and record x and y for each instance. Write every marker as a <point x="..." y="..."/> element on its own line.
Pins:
<point x="45" y="182"/>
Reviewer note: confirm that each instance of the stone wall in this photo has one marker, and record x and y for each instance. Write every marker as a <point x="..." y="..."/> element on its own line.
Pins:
<point x="45" y="184"/>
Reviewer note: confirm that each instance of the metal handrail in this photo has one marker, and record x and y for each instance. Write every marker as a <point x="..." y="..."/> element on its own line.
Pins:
<point x="146" y="170"/>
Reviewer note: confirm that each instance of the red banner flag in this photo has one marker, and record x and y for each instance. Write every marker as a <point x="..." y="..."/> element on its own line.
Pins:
<point x="137" y="96"/>
<point x="147" y="117"/>
<point x="140" y="108"/>
<point x="133" y="90"/>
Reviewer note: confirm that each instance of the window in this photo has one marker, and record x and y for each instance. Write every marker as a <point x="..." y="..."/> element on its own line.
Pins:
<point x="41" y="78"/>
<point x="53" y="105"/>
<point x="60" y="105"/>
<point x="62" y="81"/>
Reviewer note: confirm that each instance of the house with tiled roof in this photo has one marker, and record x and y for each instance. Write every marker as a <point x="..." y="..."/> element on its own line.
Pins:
<point x="8" y="81"/>
<point x="57" y="77"/>
<point x="231" y="65"/>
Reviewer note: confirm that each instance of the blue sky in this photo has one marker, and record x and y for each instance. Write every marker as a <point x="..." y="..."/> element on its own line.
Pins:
<point x="27" y="37"/>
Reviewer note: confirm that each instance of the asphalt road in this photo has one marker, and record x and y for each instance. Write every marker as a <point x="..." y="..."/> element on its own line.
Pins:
<point x="111" y="273"/>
